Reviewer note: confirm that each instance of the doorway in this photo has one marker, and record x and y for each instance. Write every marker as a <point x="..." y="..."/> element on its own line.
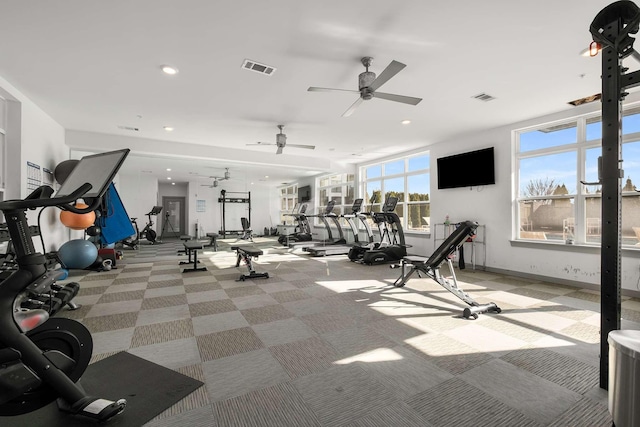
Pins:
<point x="174" y="221"/>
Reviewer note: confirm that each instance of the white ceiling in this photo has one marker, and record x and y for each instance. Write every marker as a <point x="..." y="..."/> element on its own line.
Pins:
<point x="95" y="66"/>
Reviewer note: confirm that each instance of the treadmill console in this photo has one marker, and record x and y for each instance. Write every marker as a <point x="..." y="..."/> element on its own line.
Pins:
<point x="390" y="204"/>
<point x="357" y="206"/>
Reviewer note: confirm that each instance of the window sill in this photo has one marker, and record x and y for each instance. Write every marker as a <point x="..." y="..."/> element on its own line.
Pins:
<point x="576" y="247"/>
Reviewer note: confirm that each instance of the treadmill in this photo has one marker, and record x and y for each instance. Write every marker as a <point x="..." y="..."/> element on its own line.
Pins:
<point x="343" y="249"/>
<point x="328" y="213"/>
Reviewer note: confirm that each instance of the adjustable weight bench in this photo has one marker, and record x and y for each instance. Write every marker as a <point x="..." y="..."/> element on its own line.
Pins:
<point x="192" y="246"/>
<point x="246" y="253"/>
<point x="431" y="267"/>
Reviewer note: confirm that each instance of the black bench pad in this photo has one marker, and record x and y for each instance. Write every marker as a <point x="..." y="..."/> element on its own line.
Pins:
<point x="192" y="244"/>
<point x="251" y="251"/>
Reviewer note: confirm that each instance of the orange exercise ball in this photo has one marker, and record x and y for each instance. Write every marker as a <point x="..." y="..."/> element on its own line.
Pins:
<point x="78" y="221"/>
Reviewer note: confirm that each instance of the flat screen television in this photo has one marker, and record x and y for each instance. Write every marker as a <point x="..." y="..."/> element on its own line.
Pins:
<point x="468" y="169"/>
<point x="304" y="194"/>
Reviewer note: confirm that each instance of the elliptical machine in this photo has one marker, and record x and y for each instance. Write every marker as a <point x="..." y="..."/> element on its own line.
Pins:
<point x="42" y="358"/>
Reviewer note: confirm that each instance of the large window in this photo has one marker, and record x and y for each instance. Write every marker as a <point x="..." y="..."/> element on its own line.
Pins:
<point x="288" y="203"/>
<point x="408" y="179"/>
<point x="337" y="187"/>
<point x="558" y="195"/>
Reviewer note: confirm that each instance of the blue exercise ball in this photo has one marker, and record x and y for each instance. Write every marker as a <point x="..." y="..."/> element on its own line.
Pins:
<point x="77" y="253"/>
<point x="64" y="273"/>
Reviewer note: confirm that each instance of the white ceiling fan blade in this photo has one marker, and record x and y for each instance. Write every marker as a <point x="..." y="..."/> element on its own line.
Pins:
<point x="279" y="150"/>
<point x="261" y="143"/>
<point x="310" y="147"/>
<point x="326" y="89"/>
<point x="352" y="108"/>
<point x="398" y="98"/>
<point x="392" y="69"/>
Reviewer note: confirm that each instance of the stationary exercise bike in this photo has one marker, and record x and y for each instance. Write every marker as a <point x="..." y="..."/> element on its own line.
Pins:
<point x="148" y="232"/>
<point x="42" y="358"/>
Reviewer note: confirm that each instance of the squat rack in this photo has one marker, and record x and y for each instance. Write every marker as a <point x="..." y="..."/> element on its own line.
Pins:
<point x="224" y="200"/>
<point x="610" y="29"/>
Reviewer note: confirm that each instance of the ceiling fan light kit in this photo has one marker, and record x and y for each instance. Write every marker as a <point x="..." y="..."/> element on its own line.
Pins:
<point x="281" y="142"/>
<point x="369" y="83"/>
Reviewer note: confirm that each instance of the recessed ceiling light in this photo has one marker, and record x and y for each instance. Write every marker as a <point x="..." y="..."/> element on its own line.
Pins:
<point x="173" y="183"/>
<point x="168" y="169"/>
<point x="405" y="122"/>
<point x="266" y="176"/>
<point x="169" y="178"/>
<point x="169" y="69"/>
<point x="168" y="128"/>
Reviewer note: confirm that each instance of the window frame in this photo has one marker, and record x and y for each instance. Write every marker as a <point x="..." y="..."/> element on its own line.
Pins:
<point x="404" y="203"/>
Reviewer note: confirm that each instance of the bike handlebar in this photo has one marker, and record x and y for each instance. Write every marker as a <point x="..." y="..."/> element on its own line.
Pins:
<point x="40" y="197"/>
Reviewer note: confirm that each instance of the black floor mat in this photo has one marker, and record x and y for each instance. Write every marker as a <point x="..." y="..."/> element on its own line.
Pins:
<point x="148" y="388"/>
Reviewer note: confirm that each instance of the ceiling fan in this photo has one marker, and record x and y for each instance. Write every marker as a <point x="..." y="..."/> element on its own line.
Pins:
<point x="217" y="179"/>
<point x="368" y="85"/>
<point x="281" y="142"/>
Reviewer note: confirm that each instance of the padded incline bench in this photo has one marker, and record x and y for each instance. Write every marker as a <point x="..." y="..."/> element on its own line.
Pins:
<point x="189" y="247"/>
<point x="245" y="253"/>
<point x="213" y="242"/>
<point x="431" y="267"/>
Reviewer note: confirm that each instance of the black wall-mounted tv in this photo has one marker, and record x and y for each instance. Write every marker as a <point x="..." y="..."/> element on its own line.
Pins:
<point x="304" y="194"/>
<point x="468" y="169"/>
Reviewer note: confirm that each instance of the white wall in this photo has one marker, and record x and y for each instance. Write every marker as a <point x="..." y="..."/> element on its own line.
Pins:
<point x="139" y="193"/>
<point x="493" y="206"/>
<point x="33" y="136"/>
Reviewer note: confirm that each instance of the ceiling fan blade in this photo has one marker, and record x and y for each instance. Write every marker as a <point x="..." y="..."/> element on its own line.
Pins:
<point x="326" y="89"/>
<point x="279" y="150"/>
<point x="398" y="98"/>
<point x="260" y="143"/>
<point x="392" y="69"/>
<point x="353" y="107"/>
<point x="310" y="147"/>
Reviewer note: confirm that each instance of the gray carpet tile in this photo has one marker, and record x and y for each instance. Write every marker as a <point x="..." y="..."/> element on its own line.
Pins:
<point x="533" y="293"/>
<point x="84" y="290"/>
<point x="456" y="403"/>
<point x="164" y="301"/>
<point x="128" y="280"/>
<point x="171" y="354"/>
<point x="583" y="332"/>
<point x="197" y="399"/>
<point x="632" y="315"/>
<point x="111" y="322"/>
<point x="162" y="332"/>
<point x="585" y="413"/>
<point x="244" y="291"/>
<point x="439" y="350"/>
<point x="290" y="295"/>
<point x="201" y="287"/>
<point x="277" y="406"/>
<point x="211" y="307"/>
<point x="585" y="295"/>
<point x="99" y="276"/>
<point x="306" y="356"/>
<point x="228" y="343"/>
<point x="343" y="394"/>
<point x="121" y="296"/>
<point x="282" y="331"/>
<point x="329" y="321"/>
<point x="265" y="314"/>
<point x="560" y="369"/>
<point x="164" y="283"/>
<point x="353" y="341"/>
<point x="396" y="415"/>
<point x="242" y="373"/>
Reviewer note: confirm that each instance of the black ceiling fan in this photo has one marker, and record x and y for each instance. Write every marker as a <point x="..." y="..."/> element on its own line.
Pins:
<point x="368" y="85"/>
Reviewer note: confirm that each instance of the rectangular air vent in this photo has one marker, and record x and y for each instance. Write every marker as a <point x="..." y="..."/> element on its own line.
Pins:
<point x="483" y="97"/>
<point x="257" y="67"/>
<point x="585" y="100"/>
<point x="128" y="128"/>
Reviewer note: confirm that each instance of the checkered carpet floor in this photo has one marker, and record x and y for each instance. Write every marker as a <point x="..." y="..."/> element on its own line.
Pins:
<point x="326" y="342"/>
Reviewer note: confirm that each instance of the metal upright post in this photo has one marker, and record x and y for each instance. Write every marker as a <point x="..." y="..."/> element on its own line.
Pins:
<point x="611" y="29"/>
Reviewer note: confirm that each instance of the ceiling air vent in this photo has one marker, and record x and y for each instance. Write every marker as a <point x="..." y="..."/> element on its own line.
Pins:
<point x="258" y="68"/>
<point x="483" y="97"/>
<point x="585" y="100"/>
<point x="129" y="128"/>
